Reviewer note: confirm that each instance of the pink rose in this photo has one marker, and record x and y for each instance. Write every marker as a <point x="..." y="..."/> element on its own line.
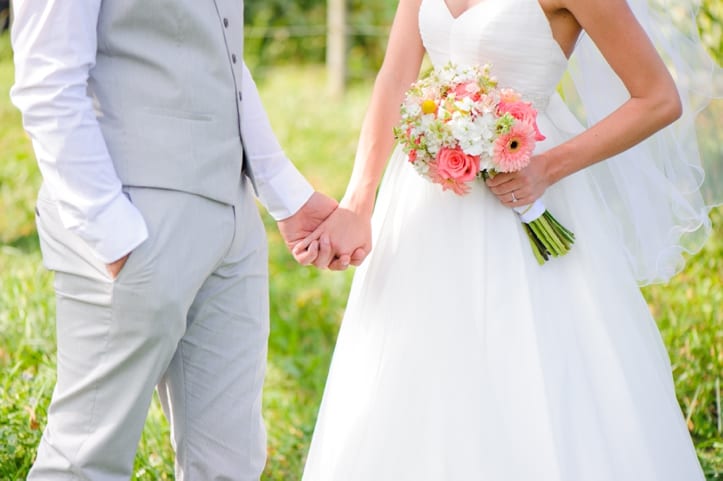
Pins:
<point x="467" y="89"/>
<point x="435" y="176"/>
<point x="524" y="112"/>
<point x="455" y="164"/>
<point x="452" y="168"/>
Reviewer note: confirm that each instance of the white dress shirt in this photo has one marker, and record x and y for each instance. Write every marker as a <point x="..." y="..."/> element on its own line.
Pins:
<point x="54" y="44"/>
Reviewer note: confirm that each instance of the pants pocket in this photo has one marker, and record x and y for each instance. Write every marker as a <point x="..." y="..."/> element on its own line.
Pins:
<point x="136" y="255"/>
<point x="62" y="250"/>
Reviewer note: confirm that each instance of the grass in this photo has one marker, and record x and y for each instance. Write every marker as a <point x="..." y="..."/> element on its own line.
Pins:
<point x="306" y="304"/>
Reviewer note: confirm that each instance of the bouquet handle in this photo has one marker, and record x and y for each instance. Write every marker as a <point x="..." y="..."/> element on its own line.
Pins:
<point x="548" y="237"/>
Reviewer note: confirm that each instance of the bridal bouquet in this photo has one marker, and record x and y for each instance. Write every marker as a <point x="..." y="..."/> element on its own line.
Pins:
<point x="457" y="126"/>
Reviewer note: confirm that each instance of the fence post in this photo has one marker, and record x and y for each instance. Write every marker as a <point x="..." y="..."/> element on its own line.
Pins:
<point x="336" y="48"/>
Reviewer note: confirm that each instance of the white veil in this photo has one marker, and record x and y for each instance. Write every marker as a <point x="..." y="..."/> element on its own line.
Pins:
<point x="658" y="193"/>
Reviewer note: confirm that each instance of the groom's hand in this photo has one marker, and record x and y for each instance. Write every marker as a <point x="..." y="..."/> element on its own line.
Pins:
<point x="344" y="238"/>
<point x="115" y="267"/>
<point x="299" y="226"/>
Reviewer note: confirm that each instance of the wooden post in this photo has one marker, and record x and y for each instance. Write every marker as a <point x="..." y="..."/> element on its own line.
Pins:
<point x="336" y="47"/>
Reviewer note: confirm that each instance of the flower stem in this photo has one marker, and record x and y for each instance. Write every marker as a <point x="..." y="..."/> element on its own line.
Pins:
<point x="538" y="248"/>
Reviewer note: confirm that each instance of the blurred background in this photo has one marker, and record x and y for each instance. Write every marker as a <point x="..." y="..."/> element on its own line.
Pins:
<point x="314" y="61"/>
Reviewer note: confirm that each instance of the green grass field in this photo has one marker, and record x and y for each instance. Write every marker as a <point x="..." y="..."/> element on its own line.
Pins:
<point x="307" y="305"/>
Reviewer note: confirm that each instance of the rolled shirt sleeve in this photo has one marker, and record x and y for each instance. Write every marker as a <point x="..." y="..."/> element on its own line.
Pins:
<point x="280" y="186"/>
<point x="54" y="44"/>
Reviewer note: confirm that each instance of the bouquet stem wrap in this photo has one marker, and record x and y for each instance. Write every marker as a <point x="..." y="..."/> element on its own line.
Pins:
<point x="548" y="237"/>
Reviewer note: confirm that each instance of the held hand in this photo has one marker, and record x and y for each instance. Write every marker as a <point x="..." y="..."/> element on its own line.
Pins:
<point x="515" y="189"/>
<point x="114" y="268"/>
<point x="303" y="223"/>
<point x="344" y="239"/>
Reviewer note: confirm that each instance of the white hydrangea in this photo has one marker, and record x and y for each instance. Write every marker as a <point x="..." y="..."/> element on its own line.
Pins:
<point x="474" y="134"/>
<point x="412" y="108"/>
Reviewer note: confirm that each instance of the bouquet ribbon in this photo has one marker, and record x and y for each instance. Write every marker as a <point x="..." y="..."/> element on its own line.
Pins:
<point x="530" y="212"/>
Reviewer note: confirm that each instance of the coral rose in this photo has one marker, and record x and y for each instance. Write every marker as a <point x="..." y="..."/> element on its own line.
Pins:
<point x="455" y="164"/>
<point x="523" y="111"/>
<point x="453" y="168"/>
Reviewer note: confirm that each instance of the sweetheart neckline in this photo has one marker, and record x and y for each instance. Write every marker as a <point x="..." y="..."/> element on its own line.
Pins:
<point x="560" y="50"/>
<point x="464" y="12"/>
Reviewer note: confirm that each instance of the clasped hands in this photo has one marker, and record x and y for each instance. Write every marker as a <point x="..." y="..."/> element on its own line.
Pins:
<point x="324" y="234"/>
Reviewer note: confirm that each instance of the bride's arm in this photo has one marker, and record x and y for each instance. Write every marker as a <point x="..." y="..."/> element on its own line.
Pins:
<point x="349" y="228"/>
<point x="399" y="70"/>
<point x="653" y="104"/>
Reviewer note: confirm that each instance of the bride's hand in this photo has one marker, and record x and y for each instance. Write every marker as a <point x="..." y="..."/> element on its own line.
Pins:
<point x="524" y="187"/>
<point x="343" y="239"/>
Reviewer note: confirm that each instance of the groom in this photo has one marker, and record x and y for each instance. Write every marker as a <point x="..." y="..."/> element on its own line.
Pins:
<point x="147" y="127"/>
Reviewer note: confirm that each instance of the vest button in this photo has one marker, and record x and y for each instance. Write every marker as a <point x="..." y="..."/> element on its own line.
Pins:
<point x="233" y="57"/>
<point x="225" y="22"/>
<point x="240" y="97"/>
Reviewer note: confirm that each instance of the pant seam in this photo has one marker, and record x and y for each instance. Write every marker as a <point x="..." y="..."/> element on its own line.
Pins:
<point x="106" y="342"/>
<point x="89" y="427"/>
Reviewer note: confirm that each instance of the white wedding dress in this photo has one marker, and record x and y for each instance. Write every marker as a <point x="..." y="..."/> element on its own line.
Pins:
<point x="459" y="357"/>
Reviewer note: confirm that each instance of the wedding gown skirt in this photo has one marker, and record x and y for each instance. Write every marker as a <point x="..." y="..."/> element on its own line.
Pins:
<point x="459" y="357"/>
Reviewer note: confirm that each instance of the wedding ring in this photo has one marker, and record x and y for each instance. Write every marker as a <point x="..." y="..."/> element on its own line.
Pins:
<point x="514" y="199"/>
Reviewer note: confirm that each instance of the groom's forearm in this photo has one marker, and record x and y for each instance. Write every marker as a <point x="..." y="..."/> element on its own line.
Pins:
<point x="281" y="188"/>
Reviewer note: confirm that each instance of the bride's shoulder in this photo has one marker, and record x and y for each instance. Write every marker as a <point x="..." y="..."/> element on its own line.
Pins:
<point x="599" y="18"/>
<point x="565" y="27"/>
<point x="583" y="9"/>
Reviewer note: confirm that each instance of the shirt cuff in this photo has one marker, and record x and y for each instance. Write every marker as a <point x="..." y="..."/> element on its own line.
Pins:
<point x="116" y="231"/>
<point x="284" y="193"/>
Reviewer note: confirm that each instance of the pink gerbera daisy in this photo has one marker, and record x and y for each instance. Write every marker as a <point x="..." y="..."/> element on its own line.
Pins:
<point x="512" y="150"/>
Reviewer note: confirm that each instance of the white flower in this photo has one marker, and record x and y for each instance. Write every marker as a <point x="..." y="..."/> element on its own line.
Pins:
<point x="475" y="134"/>
<point x="412" y="108"/>
<point x="465" y="104"/>
<point x="426" y="122"/>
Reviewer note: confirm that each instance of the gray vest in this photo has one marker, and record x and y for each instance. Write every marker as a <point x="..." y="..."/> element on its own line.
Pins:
<point x="167" y="93"/>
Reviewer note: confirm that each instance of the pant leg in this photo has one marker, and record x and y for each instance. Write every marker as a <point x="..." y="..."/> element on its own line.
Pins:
<point x="212" y="390"/>
<point x="117" y="337"/>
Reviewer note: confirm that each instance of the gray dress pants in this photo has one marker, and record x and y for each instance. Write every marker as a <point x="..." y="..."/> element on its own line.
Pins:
<point x="188" y="314"/>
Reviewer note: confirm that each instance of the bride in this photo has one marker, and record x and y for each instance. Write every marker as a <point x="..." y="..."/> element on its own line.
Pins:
<point x="459" y="357"/>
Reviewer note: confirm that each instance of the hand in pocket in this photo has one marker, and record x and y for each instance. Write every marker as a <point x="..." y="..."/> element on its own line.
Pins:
<point x="115" y="267"/>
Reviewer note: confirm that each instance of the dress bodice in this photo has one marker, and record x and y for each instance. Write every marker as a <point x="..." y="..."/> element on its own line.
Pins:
<point x="513" y="36"/>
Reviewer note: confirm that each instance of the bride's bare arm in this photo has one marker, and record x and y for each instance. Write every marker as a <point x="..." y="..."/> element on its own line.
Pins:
<point x="349" y="228"/>
<point x="400" y="68"/>
<point x="653" y="104"/>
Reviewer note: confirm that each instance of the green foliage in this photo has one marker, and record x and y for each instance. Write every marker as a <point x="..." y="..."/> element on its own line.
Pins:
<point x="320" y="135"/>
<point x="688" y="311"/>
<point x="710" y="19"/>
<point x="306" y="304"/>
<point x="26" y="348"/>
<point x="279" y="30"/>
<point x="285" y="29"/>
